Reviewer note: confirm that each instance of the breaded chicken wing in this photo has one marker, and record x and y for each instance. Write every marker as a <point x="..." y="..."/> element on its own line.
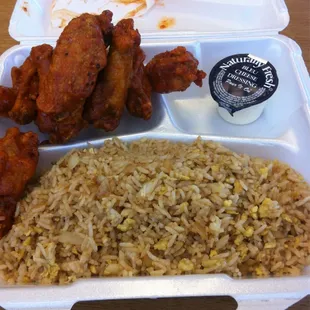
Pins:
<point x="7" y="100"/>
<point x="25" y="84"/>
<point x="69" y="76"/>
<point x="174" y="71"/>
<point x="139" y="95"/>
<point x="18" y="161"/>
<point x="105" y="107"/>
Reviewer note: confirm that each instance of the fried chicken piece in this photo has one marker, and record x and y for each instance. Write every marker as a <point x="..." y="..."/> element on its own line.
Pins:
<point x="7" y="100"/>
<point x="174" y="71"/>
<point x="139" y="95"/>
<point x="18" y="161"/>
<point x="25" y="84"/>
<point x="105" y="107"/>
<point x="61" y="127"/>
<point x="71" y="76"/>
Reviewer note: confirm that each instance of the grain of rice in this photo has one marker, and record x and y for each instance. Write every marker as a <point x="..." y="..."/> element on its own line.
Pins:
<point x="260" y="229"/>
<point x="66" y="227"/>
<point x="171" y="242"/>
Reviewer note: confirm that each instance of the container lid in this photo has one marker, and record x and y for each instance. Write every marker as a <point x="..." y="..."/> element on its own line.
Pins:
<point x="241" y="81"/>
<point x="44" y="20"/>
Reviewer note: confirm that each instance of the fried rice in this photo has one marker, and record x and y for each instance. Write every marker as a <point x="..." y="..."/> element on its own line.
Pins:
<point x="153" y="208"/>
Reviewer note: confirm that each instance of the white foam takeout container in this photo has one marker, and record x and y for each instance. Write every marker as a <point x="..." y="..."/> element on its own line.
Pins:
<point x="211" y="30"/>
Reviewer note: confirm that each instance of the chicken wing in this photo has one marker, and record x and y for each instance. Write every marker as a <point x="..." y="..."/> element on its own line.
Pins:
<point x="70" y="78"/>
<point x="18" y="161"/>
<point x="7" y="100"/>
<point x="25" y="84"/>
<point x="174" y="71"/>
<point x="24" y="109"/>
<point x="139" y="95"/>
<point x="105" y="107"/>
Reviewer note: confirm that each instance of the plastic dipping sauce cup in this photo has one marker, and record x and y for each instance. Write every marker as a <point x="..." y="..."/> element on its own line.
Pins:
<point x="241" y="85"/>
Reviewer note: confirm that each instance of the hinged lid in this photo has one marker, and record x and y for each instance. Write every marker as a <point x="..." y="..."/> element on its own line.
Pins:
<point x="43" y="20"/>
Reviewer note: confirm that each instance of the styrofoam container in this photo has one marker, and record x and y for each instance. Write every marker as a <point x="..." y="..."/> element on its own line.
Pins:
<point x="211" y="30"/>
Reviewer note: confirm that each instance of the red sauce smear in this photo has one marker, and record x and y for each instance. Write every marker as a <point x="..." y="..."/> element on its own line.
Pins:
<point x="160" y="2"/>
<point x="130" y="1"/>
<point x="25" y="8"/>
<point x="166" y="22"/>
<point x="134" y="12"/>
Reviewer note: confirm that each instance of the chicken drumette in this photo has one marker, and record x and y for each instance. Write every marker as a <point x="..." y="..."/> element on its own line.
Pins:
<point x="105" y="107"/>
<point x="26" y="86"/>
<point x="68" y="76"/>
<point x="18" y="161"/>
<point x="19" y="102"/>
<point x="174" y="71"/>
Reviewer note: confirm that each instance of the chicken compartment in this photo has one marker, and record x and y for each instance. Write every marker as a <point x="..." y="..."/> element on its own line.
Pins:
<point x="128" y="125"/>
